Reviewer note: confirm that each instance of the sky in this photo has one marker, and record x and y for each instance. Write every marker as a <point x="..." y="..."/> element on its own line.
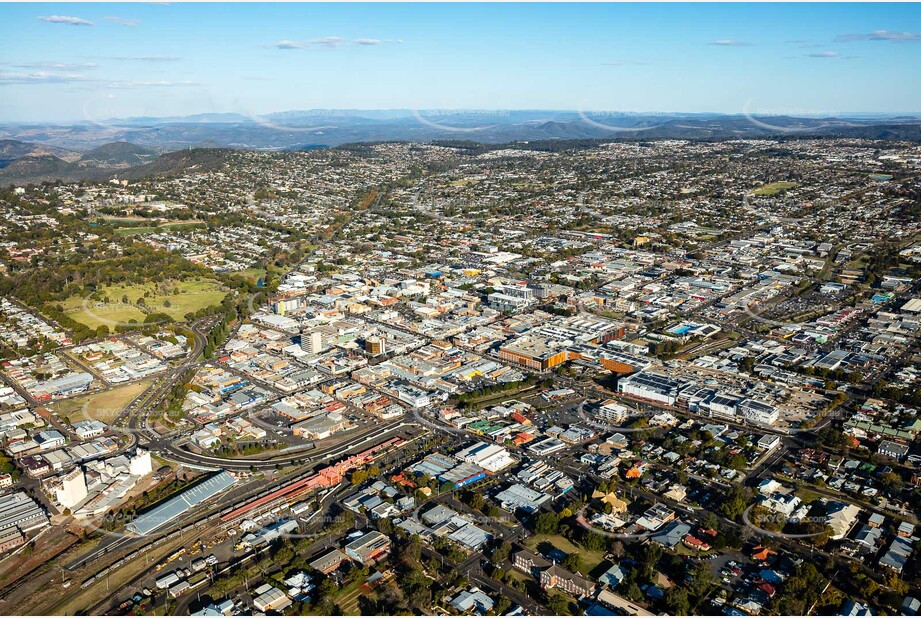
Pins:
<point x="93" y="61"/>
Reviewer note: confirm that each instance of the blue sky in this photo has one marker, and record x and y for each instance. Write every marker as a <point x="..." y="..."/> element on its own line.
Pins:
<point x="94" y="61"/>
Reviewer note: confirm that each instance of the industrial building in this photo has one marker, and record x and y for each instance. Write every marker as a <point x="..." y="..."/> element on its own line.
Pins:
<point x="175" y="507"/>
<point x="73" y="488"/>
<point x="19" y="511"/>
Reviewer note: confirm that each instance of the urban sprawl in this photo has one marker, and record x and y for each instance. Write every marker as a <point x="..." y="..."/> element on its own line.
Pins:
<point x="629" y="378"/>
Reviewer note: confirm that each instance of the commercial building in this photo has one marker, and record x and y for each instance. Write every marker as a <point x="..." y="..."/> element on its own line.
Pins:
<point x="511" y="298"/>
<point x="490" y="457"/>
<point x="329" y="562"/>
<point x="651" y="386"/>
<point x="312" y="342"/>
<point x="50" y="439"/>
<point x="609" y="411"/>
<point x="758" y="412"/>
<point x="520" y="497"/>
<point x="376" y="346"/>
<point x="368" y="547"/>
<point x="534" y="353"/>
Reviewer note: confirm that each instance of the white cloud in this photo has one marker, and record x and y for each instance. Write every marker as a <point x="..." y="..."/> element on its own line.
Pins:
<point x="729" y="43"/>
<point x="8" y="78"/>
<point x="56" y="66"/>
<point x="327" y="41"/>
<point x="145" y="58"/>
<point x="42" y="77"/>
<point x="882" y="35"/>
<point x="121" y="21"/>
<point x="824" y="54"/>
<point x="624" y="63"/>
<point x="154" y="84"/>
<point x="377" y="41"/>
<point x="66" y="19"/>
<point x="332" y="42"/>
<point x="289" y="44"/>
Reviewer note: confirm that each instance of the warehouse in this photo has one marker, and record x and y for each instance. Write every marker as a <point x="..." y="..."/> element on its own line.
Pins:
<point x="173" y="508"/>
<point x="520" y="497"/>
<point x="270" y="598"/>
<point x="20" y="511"/>
<point x="490" y="457"/>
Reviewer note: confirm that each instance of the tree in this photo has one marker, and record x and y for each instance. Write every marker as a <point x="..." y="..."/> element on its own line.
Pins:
<point x="477" y="501"/>
<point x="649" y="558"/>
<point x="676" y="599"/>
<point x="547" y="523"/>
<point x="501" y="553"/>
<point x="735" y="503"/>
<point x="891" y="481"/>
<point x="633" y="592"/>
<point x="702" y="578"/>
<point x="573" y="562"/>
<point x="412" y="552"/>
<point x="558" y="604"/>
<point x="710" y="521"/>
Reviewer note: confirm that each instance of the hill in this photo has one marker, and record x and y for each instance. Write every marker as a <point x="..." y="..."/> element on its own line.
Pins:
<point x="36" y="167"/>
<point x="117" y="154"/>
<point x="11" y="149"/>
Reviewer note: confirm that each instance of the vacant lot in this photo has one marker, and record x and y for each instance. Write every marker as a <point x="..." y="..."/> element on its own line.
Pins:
<point x="102" y="406"/>
<point x="174" y="298"/>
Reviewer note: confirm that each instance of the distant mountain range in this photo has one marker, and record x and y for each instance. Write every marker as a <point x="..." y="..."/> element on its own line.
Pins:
<point x="32" y="152"/>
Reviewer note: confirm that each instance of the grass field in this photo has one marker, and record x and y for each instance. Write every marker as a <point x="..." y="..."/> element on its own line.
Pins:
<point x="133" y="231"/>
<point x="590" y="559"/>
<point x="102" y="406"/>
<point x="143" y="229"/>
<point x="775" y="187"/>
<point x="125" y="221"/>
<point x="191" y="295"/>
<point x="252" y="274"/>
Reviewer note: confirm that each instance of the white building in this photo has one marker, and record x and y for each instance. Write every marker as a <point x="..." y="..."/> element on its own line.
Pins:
<point x="140" y="464"/>
<point x="651" y="386"/>
<point x="491" y="457"/>
<point x="312" y="342"/>
<point x="759" y="412"/>
<point x="73" y="489"/>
